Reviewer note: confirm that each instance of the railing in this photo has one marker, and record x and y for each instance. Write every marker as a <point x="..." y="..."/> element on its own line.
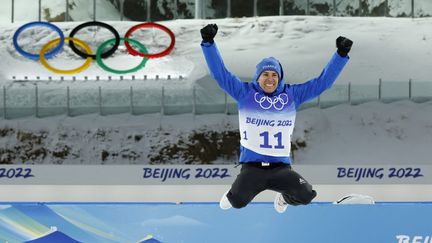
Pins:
<point x="44" y="101"/>
<point x="153" y="10"/>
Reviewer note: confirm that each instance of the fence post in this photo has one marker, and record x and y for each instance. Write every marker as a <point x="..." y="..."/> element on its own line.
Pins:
<point x="307" y="7"/>
<point x="162" y="101"/>
<point x="255" y="9"/>
<point x="162" y="112"/>
<point x="410" y="89"/>
<point x="196" y="9"/>
<point x="387" y="11"/>
<point x="319" y="101"/>
<point x="4" y="103"/>
<point x="349" y="93"/>
<point x="148" y="10"/>
<point x="412" y="9"/>
<point x="40" y="10"/>
<point x="228" y="8"/>
<point x="379" y="88"/>
<point x="121" y="10"/>
<point x="176" y="9"/>
<point x="194" y="100"/>
<point x="280" y="7"/>
<point x="360" y="9"/>
<point x="226" y="103"/>
<point x="334" y="7"/>
<point x="100" y="100"/>
<point x="36" y="102"/>
<point x="67" y="11"/>
<point x="94" y="10"/>
<point x="68" y="101"/>
<point x="13" y="10"/>
<point x="131" y="100"/>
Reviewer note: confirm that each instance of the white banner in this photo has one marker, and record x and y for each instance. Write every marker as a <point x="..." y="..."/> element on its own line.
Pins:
<point x="202" y="174"/>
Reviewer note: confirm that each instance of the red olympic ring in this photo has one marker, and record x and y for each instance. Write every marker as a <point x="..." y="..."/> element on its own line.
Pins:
<point x="134" y="52"/>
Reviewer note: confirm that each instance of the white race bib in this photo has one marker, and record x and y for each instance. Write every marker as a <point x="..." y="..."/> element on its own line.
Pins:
<point x="266" y="125"/>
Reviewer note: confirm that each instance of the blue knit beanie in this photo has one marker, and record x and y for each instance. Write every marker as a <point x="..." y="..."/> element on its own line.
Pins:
<point x="269" y="64"/>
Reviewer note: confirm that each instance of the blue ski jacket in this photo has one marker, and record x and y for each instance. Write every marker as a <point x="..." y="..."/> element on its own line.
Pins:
<point x="267" y="120"/>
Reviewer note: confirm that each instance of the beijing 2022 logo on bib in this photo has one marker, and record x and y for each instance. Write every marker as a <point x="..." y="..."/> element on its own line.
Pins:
<point x="266" y="102"/>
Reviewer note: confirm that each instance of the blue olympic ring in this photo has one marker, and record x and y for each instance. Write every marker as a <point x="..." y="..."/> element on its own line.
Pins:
<point x="50" y="54"/>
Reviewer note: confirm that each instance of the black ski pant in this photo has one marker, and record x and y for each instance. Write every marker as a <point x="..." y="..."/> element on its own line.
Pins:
<point x="255" y="178"/>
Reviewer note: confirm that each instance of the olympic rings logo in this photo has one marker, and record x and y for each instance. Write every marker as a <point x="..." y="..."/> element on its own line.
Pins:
<point x="266" y="102"/>
<point x="55" y="46"/>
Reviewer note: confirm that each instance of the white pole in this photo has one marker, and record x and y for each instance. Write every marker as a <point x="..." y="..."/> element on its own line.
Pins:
<point x="197" y="8"/>
<point x="121" y="10"/>
<point x="40" y="10"/>
<point x="228" y="8"/>
<point x="67" y="11"/>
<point x="13" y="10"/>
<point x="412" y="9"/>
<point x="148" y="10"/>
<point x="281" y="7"/>
<point x="94" y="10"/>
<point x="334" y="7"/>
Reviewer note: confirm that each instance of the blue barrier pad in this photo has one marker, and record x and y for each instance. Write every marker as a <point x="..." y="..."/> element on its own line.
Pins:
<point x="205" y="222"/>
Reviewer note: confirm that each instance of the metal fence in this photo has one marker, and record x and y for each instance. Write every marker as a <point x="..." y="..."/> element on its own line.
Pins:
<point x="157" y="10"/>
<point x="44" y="101"/>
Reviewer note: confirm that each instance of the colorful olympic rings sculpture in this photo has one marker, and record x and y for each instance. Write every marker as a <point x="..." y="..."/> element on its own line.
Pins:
<point x="87" y="54"/>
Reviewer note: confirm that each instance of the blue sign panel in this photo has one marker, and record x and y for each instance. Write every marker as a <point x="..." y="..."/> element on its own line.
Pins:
<point x="205" y="222"/>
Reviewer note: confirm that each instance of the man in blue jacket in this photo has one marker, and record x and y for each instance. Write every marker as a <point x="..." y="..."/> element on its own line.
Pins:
<point x="267" y="111"/>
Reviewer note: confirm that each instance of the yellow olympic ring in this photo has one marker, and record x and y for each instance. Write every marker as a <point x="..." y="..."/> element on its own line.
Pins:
<point x="52" y="43"/>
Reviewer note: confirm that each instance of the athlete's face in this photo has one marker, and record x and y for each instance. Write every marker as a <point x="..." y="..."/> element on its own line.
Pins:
<point x="268" y="81"/>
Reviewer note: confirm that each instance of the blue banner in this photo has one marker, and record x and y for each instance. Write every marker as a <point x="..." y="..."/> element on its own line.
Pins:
<point x="205" y="222"/>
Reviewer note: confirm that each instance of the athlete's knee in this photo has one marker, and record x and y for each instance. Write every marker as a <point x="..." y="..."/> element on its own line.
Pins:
<point x="306" y="197"/>
<point x="238" y="201"/>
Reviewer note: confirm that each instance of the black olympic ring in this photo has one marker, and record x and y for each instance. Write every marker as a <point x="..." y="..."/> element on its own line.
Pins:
<point x="95" y="23"/>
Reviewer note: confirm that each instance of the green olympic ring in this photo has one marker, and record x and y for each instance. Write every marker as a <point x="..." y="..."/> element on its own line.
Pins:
<point x="112" y="41"/>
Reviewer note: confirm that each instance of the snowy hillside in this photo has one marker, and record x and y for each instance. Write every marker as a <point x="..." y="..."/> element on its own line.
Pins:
<point x="387" y="48"/>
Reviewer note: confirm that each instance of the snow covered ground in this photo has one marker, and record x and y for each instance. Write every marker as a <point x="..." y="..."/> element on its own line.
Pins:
<point x="393" y="49"/>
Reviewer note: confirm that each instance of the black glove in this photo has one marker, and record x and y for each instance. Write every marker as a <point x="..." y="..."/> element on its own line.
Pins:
<point x="343" y="46"/>
<point x="209" y="32"/>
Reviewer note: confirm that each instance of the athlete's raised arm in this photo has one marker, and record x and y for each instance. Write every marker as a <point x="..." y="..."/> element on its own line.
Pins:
<point x="314" y="87"/>
<point x="227" y="81"/>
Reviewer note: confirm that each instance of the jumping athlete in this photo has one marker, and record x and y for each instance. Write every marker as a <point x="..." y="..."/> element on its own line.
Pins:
<point x="267" y="110"/>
